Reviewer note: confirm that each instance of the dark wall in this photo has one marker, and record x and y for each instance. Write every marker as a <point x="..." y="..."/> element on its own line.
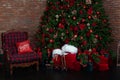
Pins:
<point x="112" y="8"/>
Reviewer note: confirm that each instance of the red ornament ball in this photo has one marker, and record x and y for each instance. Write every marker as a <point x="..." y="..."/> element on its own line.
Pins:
<point x="60" y="25"/>
<point x="74" y="17"/>
<point x="88" y="34"/>
<point x="48" y="50"/>
<point x="84" y="43"/>
<point x="51" y="41"/>
<point x="104" y="20"/>
<point x="98" y="12"/>
<point x="89" y="17"/>
<point x="68" y="6"/>
<point x="84" y="7"/>
<point x="81" y="37"/>
<point x="67" y="40"/>
<point x="51" y="3"/>
<point x="81" y="12"/>
<point x="51" y="30"/>
<point x="75" y="35"/>
<point x="96" y="2"/>
<point x="75" y="29"/>
<point x="95" y="16"/>
<point x="91" y="30"/>
<point x="100" y="38"/>
<point x="61" y="7"/>
<point x="83" y="20"/>
<point x="96" y="36"/>
<point x="67" y="31"/>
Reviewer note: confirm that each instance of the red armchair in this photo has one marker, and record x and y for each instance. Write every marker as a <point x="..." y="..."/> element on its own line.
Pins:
<point x="12" y="57"/>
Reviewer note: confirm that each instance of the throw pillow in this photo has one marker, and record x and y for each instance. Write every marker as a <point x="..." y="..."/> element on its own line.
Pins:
<point x="24" y="47"/>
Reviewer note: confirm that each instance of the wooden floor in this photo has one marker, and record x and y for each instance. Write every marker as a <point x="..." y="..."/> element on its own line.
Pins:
<point x="48" y="74"/>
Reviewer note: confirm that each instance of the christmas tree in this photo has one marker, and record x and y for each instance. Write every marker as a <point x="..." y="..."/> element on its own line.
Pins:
<point x="82" y="23"/>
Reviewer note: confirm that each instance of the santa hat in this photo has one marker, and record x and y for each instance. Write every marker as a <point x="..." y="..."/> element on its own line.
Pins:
<point x="69" y="48"/>
<point x="57" y="51"/>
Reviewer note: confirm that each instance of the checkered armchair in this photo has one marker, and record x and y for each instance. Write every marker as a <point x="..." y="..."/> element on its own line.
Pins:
<point x="12" y="58"/>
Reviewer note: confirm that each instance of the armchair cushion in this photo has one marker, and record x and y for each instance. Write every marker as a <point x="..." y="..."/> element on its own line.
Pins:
<point x="24" y="47"/>
<point x="18" y="58"/>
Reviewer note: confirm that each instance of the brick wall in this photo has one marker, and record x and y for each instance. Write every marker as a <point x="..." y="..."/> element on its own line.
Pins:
<point x="24" y="14"/>
<point x="20" y="14"/>
<point x="112" y="8"/>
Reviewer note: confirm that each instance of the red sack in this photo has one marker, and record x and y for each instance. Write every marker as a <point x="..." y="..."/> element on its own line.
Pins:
<point x="57" y="61"/>
<point x="71" y="62"/>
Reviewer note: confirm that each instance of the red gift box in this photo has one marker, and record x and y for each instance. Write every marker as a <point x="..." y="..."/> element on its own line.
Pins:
<point x="103" y="67"/>
<point x="103" y="60"/>
<point x="103" y="64"/>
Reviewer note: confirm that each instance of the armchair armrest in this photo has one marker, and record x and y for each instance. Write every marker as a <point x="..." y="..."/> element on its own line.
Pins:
<point x="1" y="51"/>
<point x="7" y="54"/>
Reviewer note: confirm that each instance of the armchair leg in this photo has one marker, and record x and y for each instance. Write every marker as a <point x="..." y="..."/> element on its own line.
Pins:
<point x="11" y="70"/>
<point x="37" y="66"/>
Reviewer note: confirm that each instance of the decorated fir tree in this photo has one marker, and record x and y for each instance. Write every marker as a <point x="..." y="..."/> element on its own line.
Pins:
<point x="82" y="23"/>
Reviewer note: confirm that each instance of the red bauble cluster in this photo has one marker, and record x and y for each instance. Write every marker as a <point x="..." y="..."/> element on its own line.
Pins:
<point x="84" y="43"/>
<point x="89" y="33"/>
<point x="94" y="24"/>
<point x="90" y="11"/>
<point x="82" y="26"/>
<point x="61" y="25"/>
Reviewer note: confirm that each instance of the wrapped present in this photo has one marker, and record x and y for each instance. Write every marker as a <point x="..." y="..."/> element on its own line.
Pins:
<point x="103" y="64"/>
<point x="103" y="67"/>
<point x="103" y="59"/>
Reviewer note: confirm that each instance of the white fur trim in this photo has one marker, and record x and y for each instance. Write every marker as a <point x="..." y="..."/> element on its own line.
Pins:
<point x="64" y="47"/>
<point x="64" y="53"/>
<point x="57" y="51"/>
<point x="69" y="48"/>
